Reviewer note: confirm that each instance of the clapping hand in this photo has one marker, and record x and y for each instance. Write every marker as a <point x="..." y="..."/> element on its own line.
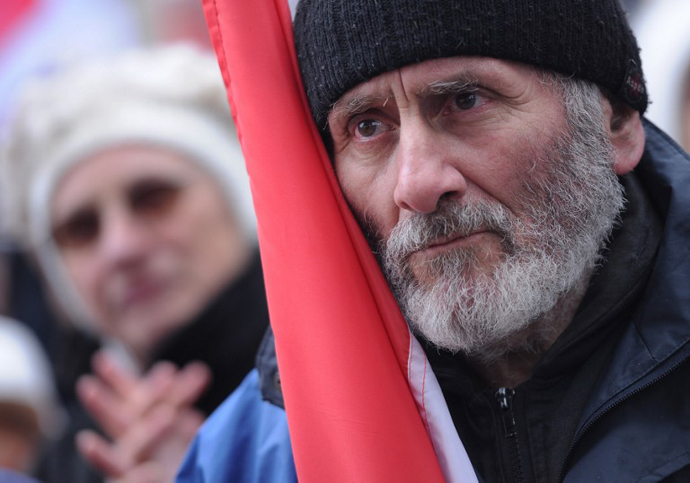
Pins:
<point x="149" y="419"/>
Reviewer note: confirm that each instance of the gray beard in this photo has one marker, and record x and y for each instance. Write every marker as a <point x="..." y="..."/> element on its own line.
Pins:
<point x="569" y="204"/>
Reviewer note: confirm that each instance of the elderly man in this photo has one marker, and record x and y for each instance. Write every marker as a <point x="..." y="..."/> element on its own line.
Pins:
<point x="531" y="225"/>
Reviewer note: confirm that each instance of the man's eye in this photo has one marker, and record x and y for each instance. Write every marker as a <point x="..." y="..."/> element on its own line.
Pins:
<point x="466" y="100"/>
<point x="369" y="128"/>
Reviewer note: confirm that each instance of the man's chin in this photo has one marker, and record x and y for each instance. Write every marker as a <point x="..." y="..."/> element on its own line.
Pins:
<point x="468" y="277"/>
<point x="464" y="317"/>
<point x="468" y="266"/>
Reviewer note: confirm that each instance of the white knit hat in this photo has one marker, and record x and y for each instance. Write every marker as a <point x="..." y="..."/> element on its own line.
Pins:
<point x="26" y="377"/>
<point x="171" y="97"/>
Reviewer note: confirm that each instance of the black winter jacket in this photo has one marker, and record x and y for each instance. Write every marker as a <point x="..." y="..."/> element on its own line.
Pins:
<point x="636" y="424"/>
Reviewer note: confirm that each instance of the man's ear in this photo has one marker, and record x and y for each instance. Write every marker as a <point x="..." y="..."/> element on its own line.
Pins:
<point x="624" y="127"/>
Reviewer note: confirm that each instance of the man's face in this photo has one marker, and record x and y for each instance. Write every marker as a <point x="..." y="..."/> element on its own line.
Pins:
<point x="484" y="206"/>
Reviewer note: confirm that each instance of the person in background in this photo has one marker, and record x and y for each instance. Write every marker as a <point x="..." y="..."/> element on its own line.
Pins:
<point x="30" y="414"/>
<point x="124" y="179"/>
<point x="661" y="27"/>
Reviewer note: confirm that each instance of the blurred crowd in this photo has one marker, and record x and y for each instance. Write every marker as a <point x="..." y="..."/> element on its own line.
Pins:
<point x="130" y="279"/>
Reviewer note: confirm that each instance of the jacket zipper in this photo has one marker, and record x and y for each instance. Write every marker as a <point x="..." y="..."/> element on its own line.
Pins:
<point x="608" y="408"/>
<point x="504" y="396"/>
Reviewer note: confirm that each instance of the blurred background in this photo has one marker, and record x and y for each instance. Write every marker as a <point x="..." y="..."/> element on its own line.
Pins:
<point x="40" y="36"/>
<point x="39" y="39"/>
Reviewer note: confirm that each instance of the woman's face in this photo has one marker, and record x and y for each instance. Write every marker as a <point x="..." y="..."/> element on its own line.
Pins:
<point x="147" y="238"/>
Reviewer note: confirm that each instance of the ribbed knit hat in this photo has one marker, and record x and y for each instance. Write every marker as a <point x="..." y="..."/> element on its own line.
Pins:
<point x="341" y="43"/>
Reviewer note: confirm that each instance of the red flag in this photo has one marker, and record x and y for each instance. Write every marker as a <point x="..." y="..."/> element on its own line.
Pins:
<point x="343" y="347"/>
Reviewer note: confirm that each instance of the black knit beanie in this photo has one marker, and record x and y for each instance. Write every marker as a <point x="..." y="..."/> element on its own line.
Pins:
<point x="341" y="43"/>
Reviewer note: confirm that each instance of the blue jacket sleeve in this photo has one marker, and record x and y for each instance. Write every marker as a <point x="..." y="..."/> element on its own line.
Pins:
<point x="245" y="440"/>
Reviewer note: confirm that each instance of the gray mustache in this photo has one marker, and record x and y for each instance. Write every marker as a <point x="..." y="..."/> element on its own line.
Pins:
<point x="452" y="219"/>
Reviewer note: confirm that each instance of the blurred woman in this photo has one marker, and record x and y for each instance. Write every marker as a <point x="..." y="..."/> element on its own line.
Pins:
<point x="126" y="182"/>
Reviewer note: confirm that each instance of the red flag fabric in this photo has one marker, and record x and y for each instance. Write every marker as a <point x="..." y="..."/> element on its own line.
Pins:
<point x="13" y="11"/>
<point x="343" y="347"/>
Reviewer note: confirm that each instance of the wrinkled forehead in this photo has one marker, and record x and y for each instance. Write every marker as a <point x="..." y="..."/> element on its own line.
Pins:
<point x="438" y="76"/>
<point x="417" y="83"/>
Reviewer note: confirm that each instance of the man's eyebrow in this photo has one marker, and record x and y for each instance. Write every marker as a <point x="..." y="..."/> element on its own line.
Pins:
<point x="361" y="103"/>
<point x="356" y="105"/>
<point x="449" y="86"/>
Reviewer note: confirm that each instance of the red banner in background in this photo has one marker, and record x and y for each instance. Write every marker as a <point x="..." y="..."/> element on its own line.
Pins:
<point x="342" y="343"/>
<point x="12" y="13"/>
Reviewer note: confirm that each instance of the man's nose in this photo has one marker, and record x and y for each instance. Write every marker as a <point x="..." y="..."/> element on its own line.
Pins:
<point x="427" y="170"/>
